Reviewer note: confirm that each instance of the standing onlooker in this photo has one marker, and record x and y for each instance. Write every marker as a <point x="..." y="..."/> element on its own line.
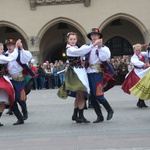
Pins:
<point x="55" y="76"/>
<point x="34" y="69"/>
<point x="123" y="70"/>
<point x="49" y="77"/>
<point x="116" y="68"/>
<point x="61" y="71"/>
<point x="41" y="75"/>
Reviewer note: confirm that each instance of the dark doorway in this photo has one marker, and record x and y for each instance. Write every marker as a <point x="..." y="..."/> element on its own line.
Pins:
<point x="119" y="46"/>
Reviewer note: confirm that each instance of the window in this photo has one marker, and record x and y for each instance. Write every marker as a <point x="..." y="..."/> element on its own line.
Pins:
<point x="119" y="46"/>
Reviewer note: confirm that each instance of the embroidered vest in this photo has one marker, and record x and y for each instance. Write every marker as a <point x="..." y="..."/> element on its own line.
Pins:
<point x="75" y="62"/>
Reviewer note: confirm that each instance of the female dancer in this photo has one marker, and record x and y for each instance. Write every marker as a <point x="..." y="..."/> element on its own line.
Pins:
<point x="142" y="88"/>
<point x="6" y="88"/>
<point x="76" y="82"/>
<point x="140" y="63"/>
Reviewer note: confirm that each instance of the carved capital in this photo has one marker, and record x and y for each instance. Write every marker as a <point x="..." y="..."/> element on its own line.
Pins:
<point x="35" y="53"/>
<point x="32" y="4"/>
<point x="87" y="3"/>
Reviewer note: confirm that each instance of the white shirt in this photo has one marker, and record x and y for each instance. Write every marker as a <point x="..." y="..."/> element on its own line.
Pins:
<point x="74" y="51"/>
<point x="13" y="67"/>
<point x="94" y="58"/>
<point x="13" y="56"/>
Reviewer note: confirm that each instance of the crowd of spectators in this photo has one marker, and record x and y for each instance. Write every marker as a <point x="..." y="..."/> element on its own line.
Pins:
<point x="52" y="75"/>
<point x="122" y="66"/>
<point x="49" y="75"/>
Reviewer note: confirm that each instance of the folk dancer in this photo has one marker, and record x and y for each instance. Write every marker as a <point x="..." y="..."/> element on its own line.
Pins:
<point x="15" y="69"/>
<point x="76" y="82"/>
<point x="142" y="88"/>
<point x="140" y="63"/>
<point x="7" y="94"/>
<point x="94" y="60"/>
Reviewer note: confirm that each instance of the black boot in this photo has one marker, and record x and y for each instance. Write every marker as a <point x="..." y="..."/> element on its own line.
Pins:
<point x="75" y="115"/>
<point x="109" y="109"/>
<point x="0" y="117"/>
<point x="90" y="103"/>
<point x="25" y="114"/>
<point x="141" y="103"/>
<point x="19" y="117"/>
<point x="98" y="111"/>
<point x="9" y="112"/>
<point x="81" y="118"/>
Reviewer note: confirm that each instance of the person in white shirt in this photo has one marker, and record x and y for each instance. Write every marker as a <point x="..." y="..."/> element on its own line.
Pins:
<point x="97" y="55"/>
<point x="141" y="65"/>
<point x="6" y="89"/>
<point x="15" y="69"/>
<point x="76" y="81"/>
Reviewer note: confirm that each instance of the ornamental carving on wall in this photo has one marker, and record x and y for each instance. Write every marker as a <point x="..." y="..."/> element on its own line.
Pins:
<point x="35" y="53"/>
<point x="35" y="3"/>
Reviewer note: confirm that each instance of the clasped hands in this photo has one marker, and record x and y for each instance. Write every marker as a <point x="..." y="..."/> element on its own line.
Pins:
<point x="98" y="42"/>
<point x="19" y="44"/>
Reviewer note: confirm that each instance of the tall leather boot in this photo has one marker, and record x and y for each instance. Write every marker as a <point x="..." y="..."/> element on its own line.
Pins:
<point x="0" y="117"/>
<point x="19" y="117"/>
<point x="98" y="112"/>
<point x="110" y="111"/>
<point x="75" y="114"/>
<point x="81" y="118"/>
<point x="25" y="114"/>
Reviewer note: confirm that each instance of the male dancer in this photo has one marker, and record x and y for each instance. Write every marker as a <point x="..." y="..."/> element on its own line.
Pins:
<point x="97" y="56"/>
<point x="15" y="71"/>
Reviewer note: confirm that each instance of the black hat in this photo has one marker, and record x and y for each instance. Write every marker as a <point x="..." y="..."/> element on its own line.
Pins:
<point x="9" y="41"/>
<point x="95" y="31"/>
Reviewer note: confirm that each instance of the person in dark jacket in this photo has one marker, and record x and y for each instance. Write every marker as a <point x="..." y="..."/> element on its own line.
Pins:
<point x="41" y="75"/>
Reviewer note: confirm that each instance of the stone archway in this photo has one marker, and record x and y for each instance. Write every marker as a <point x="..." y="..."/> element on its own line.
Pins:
<point x="124" y="26"/>
<point x="52" y="38"/>
<point x="10" y="30"/>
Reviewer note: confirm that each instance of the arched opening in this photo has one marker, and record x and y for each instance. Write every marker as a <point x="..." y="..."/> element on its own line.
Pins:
<point x="8" y="30"/>
<point x="120" y="32"/>
<point x="53" y="40"/>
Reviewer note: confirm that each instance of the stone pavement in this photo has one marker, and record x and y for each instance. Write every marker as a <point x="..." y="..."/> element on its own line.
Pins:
<point x="49" y="126"/>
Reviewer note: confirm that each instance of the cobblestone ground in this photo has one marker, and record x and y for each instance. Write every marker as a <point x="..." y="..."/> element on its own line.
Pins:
<point x="49" y="126"/>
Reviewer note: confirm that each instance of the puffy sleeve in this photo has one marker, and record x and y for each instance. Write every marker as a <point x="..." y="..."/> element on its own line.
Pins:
<point x="104" y="53"/>
<point x="5" y="59"/>
<point x="73" y="51"/>
<point x="136" y="62"/>
<point x="147" y="56"/>
<point x="25" y="56"/>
